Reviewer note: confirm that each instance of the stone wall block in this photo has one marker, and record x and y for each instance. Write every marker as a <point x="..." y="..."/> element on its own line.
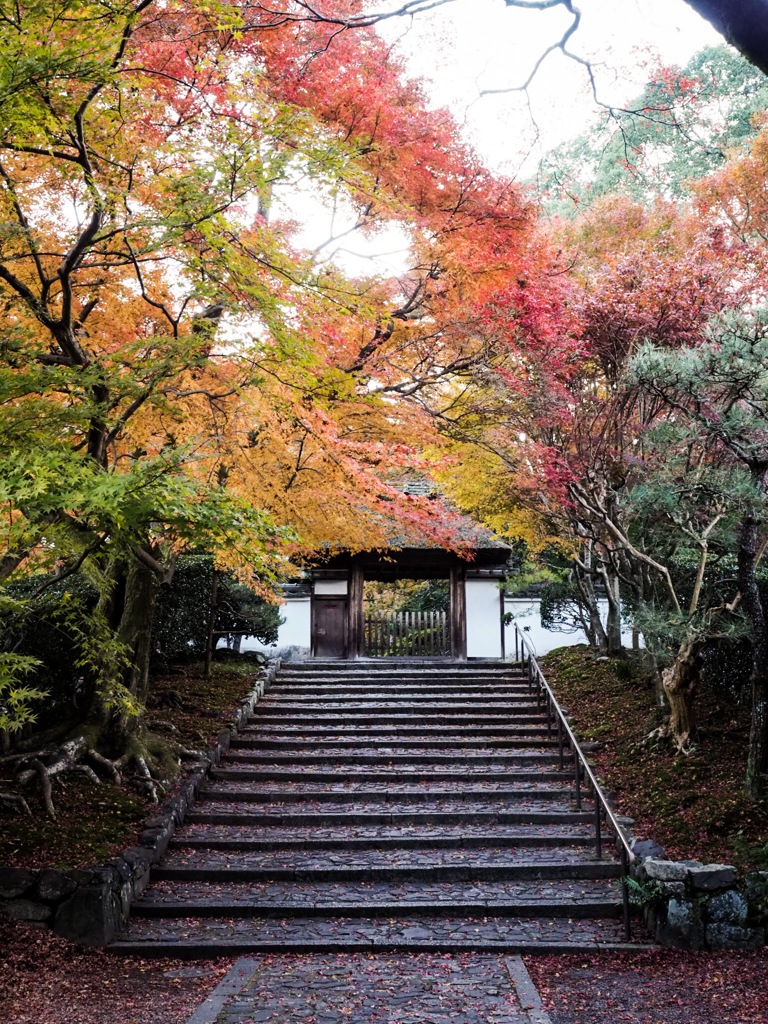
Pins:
<point x="681" y="927"/>
<point x="176" y="809"/>
<point x="645" y="848"/>
<point x="91" y="915"/>
<point x="141" y="861"/>
<point x="15" y="882"/>
<point x="27" y="910"/>
<point x="150" y="837"/>
<point x="728" y="907"/>
<point x="55" y="885"/>
<point x="712" y="876"/>
<point x="666" y="870"/>
<point x="731" y="936"/>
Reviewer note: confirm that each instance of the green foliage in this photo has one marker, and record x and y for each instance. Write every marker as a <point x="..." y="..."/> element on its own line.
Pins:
<point x="645" y="894"/>
<point x="182" y="614"/>
<point x="528" y="570"/>
<point x="16" y="699"/>
<point x="100" y="656"/>
<point x="754" y="854"/>
<point x="407" y="595"/>
<point x="429" y="596"/>
<point x="561" y="606"/>
<point x="682" y="127"/>
<point x="58" y="628"/>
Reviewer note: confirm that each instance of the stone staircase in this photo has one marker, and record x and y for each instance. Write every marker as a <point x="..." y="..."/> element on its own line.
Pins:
<point x="385" y="806"/>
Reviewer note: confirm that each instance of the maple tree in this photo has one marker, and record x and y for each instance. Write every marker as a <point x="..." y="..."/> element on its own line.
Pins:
<point x="575" y="450"/>
<point x="178" y="374"/>
<point x="687" y="123"/>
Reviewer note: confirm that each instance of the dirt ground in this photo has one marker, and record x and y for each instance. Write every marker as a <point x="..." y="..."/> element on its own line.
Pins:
<point x="47" y="980"/>
<point x="659" y="986"/>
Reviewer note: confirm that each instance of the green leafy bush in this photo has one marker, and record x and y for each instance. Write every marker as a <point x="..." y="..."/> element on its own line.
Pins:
<point x="182" y="613"/>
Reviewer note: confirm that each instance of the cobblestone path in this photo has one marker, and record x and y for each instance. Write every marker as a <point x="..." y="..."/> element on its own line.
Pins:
<point x="385" y="808"/>
<point x="387" y="988"/>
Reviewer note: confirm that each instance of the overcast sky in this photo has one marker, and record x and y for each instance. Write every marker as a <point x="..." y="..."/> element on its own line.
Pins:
<point x="473" y="45"/>
<point x="468" y="46"/>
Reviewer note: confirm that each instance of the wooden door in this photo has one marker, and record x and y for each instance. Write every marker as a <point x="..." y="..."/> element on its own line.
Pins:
<point x="329" y="627"/>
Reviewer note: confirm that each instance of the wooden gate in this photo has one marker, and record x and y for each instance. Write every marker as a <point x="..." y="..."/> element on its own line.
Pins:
<point x="406" y="635"/>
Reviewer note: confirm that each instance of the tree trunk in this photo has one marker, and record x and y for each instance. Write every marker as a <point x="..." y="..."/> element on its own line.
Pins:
<point x="680" y="682"/>
<point x="135" y="627"/>
<point x="131" y="610"/>
<point x="211" y="637"/>
<point x="757" y="755"/>
<point x="596" y="635"/>
<point x="613" y="622"/>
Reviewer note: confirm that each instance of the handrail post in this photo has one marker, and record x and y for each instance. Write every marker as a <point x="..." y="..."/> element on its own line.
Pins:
<point x="585" y="779"/>
<point x="598" y="836"/>
<point x="625" y="895"/>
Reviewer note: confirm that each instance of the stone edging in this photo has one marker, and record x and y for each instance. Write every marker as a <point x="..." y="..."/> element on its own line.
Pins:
<point x="91" y="905"/>
<point x="690" y="905"/>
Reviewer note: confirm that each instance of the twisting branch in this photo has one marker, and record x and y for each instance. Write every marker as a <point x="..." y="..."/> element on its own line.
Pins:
<point x="313" y="12"/>
<point x="596" y="508"/>
<point x="561" y="44"/>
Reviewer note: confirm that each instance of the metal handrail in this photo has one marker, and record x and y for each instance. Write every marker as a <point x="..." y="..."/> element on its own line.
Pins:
<point x="525" y="655"/>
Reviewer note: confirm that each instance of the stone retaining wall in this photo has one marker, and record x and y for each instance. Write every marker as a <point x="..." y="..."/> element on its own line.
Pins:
<point x="90" y="906"/>
<point x="690" y="905"/>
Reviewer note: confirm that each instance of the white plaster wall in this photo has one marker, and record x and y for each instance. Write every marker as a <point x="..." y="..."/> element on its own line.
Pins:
<point x="294" y="632"/>
<point x="527" y="613"/>
<point x="331" y="587"/>
<point x="483" y="619"/>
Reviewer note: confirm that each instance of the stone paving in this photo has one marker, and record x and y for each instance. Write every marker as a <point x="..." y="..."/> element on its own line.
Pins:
<point x="399" y="825"/>
<point x="473" y="988"/>
<point x="357" y="834"/>
<point x="230" y="935"/>
<point x="305" y="896"/>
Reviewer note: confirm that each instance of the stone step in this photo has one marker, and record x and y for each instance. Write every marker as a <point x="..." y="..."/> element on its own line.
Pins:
<point x="347" y="865"/>
<point x="579" y="899"/>
<point x="524" y="736"/>
<point x="399" y="667"/>
<point x="400" y="756"/>
<point x="257" y="740"/>
<point x="383" y="773"/>
<point x="444" y="813"/>
<point x="228" y="936"/>
<point x="371" y="793"/>
<point x="370" y="691"/>
<point x="352" y="705"/>
<point x="395" y="837"/>
<point x="420" y="683"/>
<point x="390" y="714"/>
<point x="416" y="670"/>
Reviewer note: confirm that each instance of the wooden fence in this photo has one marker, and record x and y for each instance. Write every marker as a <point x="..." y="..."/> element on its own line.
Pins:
<point x="407" y="635"/>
